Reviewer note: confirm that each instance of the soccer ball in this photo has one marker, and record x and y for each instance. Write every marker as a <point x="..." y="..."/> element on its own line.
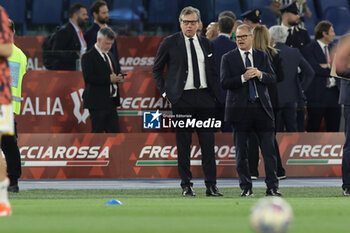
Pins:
<point x="271" y="215"/>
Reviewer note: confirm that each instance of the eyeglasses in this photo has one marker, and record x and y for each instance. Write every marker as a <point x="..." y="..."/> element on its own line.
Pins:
<point x="242" y="37"/>
<point x="187" y="22"/>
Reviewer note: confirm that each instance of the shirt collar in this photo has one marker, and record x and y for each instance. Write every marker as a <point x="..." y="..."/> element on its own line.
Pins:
<point x="224" y="34"/>
<point x="194" y="37"/>
<point x="243" y="52"/>
<point x="77" y="29"/>
<point x="99" y="51"/>
<point x="321" y="44"/>
<point x="286" y="27"/>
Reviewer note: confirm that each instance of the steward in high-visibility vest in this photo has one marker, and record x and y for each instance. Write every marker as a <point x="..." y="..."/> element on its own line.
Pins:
<point x="17" y="63"/>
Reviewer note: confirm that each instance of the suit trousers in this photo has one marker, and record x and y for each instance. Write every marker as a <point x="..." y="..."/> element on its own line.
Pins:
<point x="255" y="120"/>
<point x="346" y="150"/>
<point x="104" y="120"/>
<point x="197" y="104"/>
<point x="287" y="117"/>
<point x="330" y="110"/>
<point x="12" y="155"/>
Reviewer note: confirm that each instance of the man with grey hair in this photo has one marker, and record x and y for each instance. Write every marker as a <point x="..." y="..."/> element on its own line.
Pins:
<point x="288" y="88"/>
<point x="190" y="86"/>
<point x="101" y="93"/>
<point x="245" y="73"/>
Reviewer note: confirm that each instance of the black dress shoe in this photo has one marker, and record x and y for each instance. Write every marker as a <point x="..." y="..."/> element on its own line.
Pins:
<point x="13" y="188"/>
<point x="247" y="193"/>
<point x="273" y="192"/>
<point x="346" y="192"/>
<point x="188" y="192"/>
<point x="213" y="191"/>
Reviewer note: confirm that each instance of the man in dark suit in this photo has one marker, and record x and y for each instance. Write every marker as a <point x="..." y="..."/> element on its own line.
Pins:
<point x="191" y="87"/>
<point x="70" y="44"/>
<point x="288" y="89"/>
<point x="99" y="11"/>
<point x="244" y="74"/>
<point x="222" y="45"/>
<point x="101" y="93"/>
<point x="343" y="69"/>
<point x="298" y="37"/>
<point x="323" y="96"/>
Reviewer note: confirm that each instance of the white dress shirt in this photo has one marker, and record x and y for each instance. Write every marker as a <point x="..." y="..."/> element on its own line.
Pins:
<point x="201" y="64"/>
<point x="110" y="65"/>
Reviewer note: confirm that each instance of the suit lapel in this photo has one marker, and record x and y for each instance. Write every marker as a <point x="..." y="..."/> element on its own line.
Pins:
<point x="182" y="46"/>
<point x="238" y="58"/>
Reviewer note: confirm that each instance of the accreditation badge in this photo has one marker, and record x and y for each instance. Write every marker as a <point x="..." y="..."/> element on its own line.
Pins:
<point x="6" y="120"/>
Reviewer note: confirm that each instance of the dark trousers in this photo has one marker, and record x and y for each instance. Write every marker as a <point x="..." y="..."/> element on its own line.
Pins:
<point x="330" y="110"/>
<point x="301" y="111"/>
<point x="287" y="117"/>
<point x="104" y="120"/>
<point x="13" y="158"/>
<point x="346" y="150"/>
<point x="253" y="156"/>
<point x="197" y="104"/>
<point x="255" y="120"/>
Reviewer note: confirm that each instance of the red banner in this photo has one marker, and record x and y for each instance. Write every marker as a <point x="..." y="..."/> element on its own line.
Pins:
<point x="52" y="102"/>
<point x="154" y="155"/>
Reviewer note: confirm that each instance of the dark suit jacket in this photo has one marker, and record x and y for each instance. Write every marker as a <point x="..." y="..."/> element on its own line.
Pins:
<point x="66" y="48"/>
<point x="289" y="88"/>
<point x="97" y="81"/>
<point x="344" y="97"/>
<point x="222" y="45"/>
<point x="299" y="38"/>
<point x="91" y="38"/>
<point x="172" y="53"/>
<point x="315" y="56"/>
<point x="276" y="63"/>
<point x="232" y="67"/>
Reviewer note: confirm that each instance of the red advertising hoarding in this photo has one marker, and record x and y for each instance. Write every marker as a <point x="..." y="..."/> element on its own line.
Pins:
<point x="154" y="155"/>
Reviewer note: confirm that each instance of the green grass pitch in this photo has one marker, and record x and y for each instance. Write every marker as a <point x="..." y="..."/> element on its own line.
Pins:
<point x="164" y="210"/>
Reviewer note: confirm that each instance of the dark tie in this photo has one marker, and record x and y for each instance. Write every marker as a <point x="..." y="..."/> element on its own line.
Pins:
<point x="110" y="72"/>
<point x="250" y="81"/>
<point x="289" y="32"/>
<point x="196" y="80"/>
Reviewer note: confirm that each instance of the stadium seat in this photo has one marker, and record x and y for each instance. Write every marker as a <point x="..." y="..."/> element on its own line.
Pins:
<point x="126" y="11"/>
<point x="224" y="5"/>
<point x="16" y="11"/>
<point x="251" y="4"/>
<point x="47" y="12"/>
<point x="310" y="23"/>
<point x="322" y="5"/>
<point x="162" y="12"/>
<point x="339" y="17"/>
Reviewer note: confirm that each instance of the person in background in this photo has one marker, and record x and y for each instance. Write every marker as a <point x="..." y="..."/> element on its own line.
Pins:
<point x="324" y="93"/>
<point x="288" y="89"/>
<point x="233" y="17"/>
<point x="101" y="76"/>
<point x="99" y="10"/>
<point x="297" y="38"/>
<point x="191" y="87"/>
<point x="212" y="31"/>
<point x="69" y="44"/>
<point x="251" y="17"/>
<point x="245" y="74"/>
<point x="6" y="41"/>
<point x="222" y="45"/>
<point x="301" y="4"/>
<point x="17" y="63"/>
<point x="261" y="41"/>
<point x="342" y="63"/>
<point x="235" y="26"/>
